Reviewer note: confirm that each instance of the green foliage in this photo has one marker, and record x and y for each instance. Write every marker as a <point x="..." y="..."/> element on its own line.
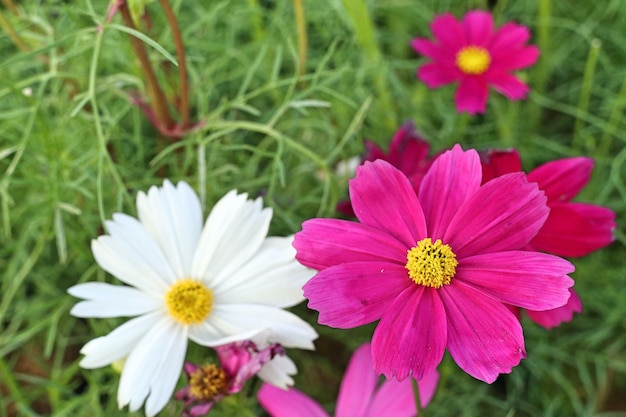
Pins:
<point x="74" y="150"/>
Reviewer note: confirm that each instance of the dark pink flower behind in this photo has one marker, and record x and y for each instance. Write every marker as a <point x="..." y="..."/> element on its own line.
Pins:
<point x="572" y="229"/>
<point x="359" y="395"/>
<point x="476" y="55"/>
<point x="408" y="152"/>
<point x="208" y="384"/>
<point x="437" y="268"/>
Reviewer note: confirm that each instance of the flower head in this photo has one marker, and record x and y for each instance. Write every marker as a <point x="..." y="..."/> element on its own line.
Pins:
<point x="359" y="395"/>
<point x="408" y="152"/>
<point x="476" y="55"/>
<point x="437" y="268"/>
<point x="208" y="384"/>
<point x="572" y="229"/>
<point x="213" y="284"/>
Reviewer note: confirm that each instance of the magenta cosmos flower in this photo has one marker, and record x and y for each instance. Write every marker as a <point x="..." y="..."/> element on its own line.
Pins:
<point x="474" y="54"/>
<point x="208" y="384"/>
<point x="408" y="152"/>
<point x="436" y="268"/>
<point x="571" y="229"/>
<point x="358" y="394"/>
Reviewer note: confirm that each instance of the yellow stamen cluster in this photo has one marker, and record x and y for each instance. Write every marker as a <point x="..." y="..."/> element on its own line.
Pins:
<point x="473" y="60"/>
<point x="207" y="382"/>
<point x="189" y="301"/>
<point x="431" y="264"/>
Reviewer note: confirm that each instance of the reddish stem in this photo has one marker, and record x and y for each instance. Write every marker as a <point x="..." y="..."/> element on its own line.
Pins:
<point x="157" y="97"/>
<point x="182" y="65"/>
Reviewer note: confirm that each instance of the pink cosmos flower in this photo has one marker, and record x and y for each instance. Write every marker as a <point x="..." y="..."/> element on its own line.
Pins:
<point x="208" y="384"/>
<point x="436" y="268"/>
<point x="571" y="229"/>
<point x="474" y="54"/>
<point x="358" y="394"/>
<point x="408" y="152"/>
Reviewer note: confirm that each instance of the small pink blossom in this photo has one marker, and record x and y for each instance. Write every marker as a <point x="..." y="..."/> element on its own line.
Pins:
<point x="408" y="152"/>
<point x="437" y="268"/>
<point x="208" y="384"/>
<point x="476" y="55"/>
<point x="359" y="394"/>
<point x="572" y="229"/>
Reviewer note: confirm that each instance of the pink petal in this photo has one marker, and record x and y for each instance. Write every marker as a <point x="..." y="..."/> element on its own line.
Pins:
<point x="507" y="84"/>
<point x="290" y="403"/>
<point x="427" y="387"/>
<point x="408" y="150"/>
<point x="497" y="162"/>
<point x="484" y="337"/>
<point x="553" y="318"/>
<point x="448" y="32"/>
<point x="201" y="409"/>
<point x="358" y="384"/>
<point x="382" y="197"/>
<point x="373" y="151"/>
<point x="393" y="399"/>
<point x="411" y="336"/>
<point x="433" y="50"/>
<point x="435" y="75"/>
<point x="356" y="293"/>
<point x="525" y="279"/>
<point x="509" y="37"/>
<point x="326" y="242"/>
<point x="472" y="95"/>
<point x="504" y="214"/>
<point x="396" y="398"/>
<point x="575" y="229"/>
<point x="450" y="181"/>
<point x="478" y="25"/>
<point x="515" y="59"/>
<point x="564" y="178"/>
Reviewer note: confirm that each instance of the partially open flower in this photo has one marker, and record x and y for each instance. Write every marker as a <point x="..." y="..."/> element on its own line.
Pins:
<point x="209" y="383"/>
<point x="408" y="151"/>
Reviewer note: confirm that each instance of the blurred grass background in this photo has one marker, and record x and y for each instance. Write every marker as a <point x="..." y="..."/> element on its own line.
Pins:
<point x="277" y="120"/>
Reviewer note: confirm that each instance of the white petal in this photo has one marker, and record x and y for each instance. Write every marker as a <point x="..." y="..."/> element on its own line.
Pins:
<point x="145" y="368"/>
<point x="272" y="277"/>
<point x="219" y="332"/>
<point x="233" y="233"/>
<point x="106" y="300"/>
<point x="120" y="260"/>
<point x="287" y="329"/>
<point x="168" y="372"/>
<point x="173" y="216"/>
<point x="277" y="372"/>
<point x="118" y="343"/>
<point x="132" y="232"/>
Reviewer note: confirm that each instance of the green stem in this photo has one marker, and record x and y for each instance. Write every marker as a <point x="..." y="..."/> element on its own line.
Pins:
<point x="416" y="393"/>
<point x="257" y="20"/>
<point x="585" y="90"/>
<point x="182" y="65"/>
<point x="302" y="36"/>
<point x="616" y="114"/>
<point x="541" y="71"/>
<point x="11" y="6"/>
<point x="12" y="34"/>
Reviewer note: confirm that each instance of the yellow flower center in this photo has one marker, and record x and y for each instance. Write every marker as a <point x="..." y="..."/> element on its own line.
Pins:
<point x="473" y="60"/>
<point x="431" y="264"/>
<point x="207" y="382"/>
<point x="189" y="301"/>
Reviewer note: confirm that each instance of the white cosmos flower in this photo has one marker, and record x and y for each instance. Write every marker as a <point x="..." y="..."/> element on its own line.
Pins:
<point x="213" y="284"/>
